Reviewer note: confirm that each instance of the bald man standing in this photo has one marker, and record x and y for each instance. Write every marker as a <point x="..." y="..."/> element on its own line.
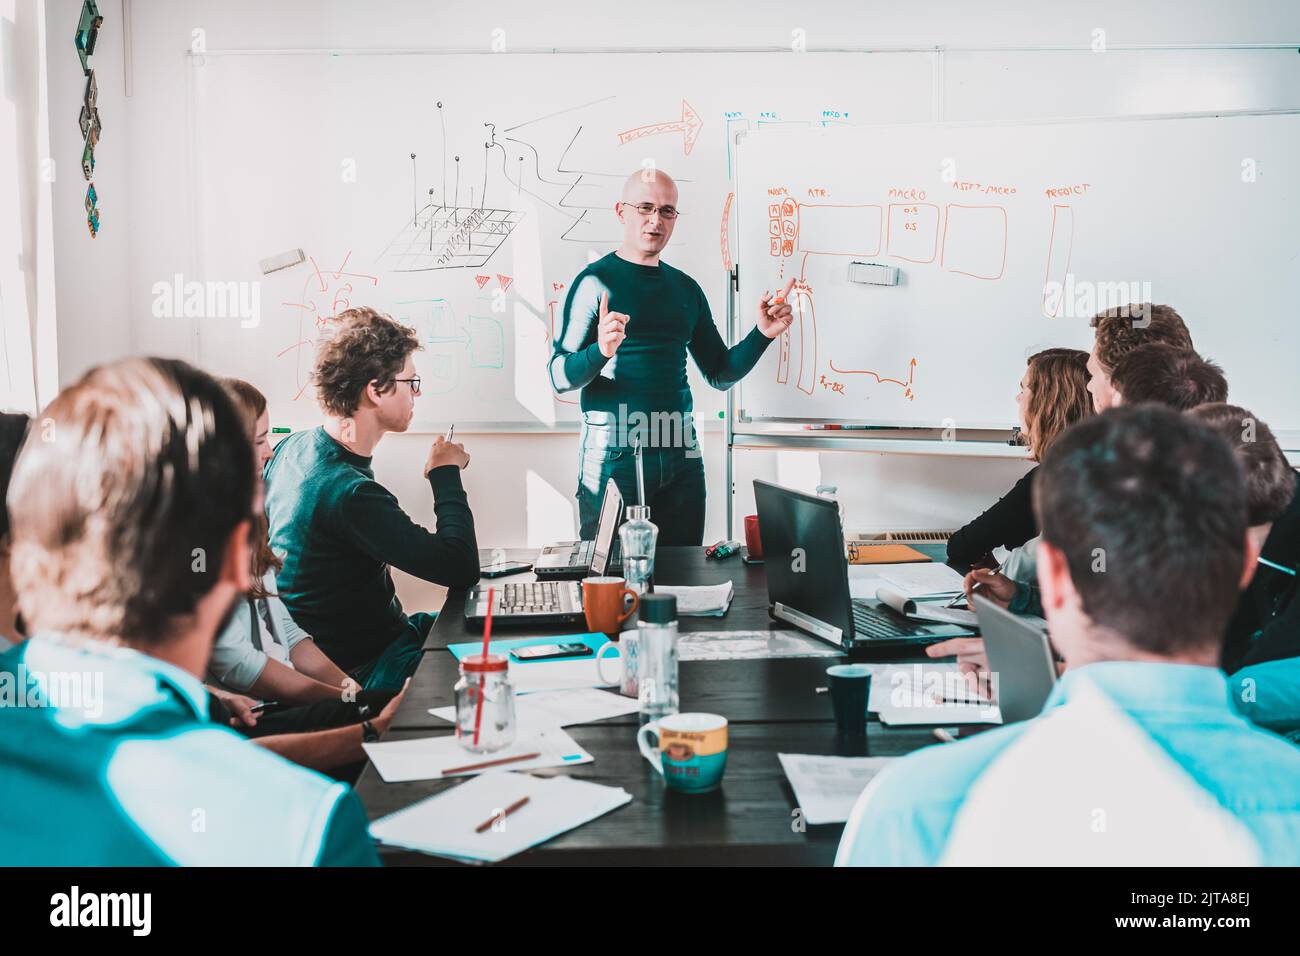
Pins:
<point x="629" y="320"/>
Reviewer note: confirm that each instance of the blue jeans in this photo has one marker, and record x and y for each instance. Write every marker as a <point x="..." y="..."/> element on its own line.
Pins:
<point x="674" y="480"/>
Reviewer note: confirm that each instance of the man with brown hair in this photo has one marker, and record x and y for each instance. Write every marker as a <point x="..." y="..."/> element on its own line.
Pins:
<point x="131" y="504"/>
<point x="1167" y="375"/>
<point x="338" y="529"/>
<point x="1266" y="624"/>
<point x="1120" y="331"/>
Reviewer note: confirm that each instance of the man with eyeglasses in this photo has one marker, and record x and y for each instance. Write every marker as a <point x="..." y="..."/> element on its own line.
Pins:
<point x="339" y="530"/>
<point x="629" y="320"/>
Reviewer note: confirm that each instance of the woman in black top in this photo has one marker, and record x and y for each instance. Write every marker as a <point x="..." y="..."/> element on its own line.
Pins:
<point x="1053" y="396"/>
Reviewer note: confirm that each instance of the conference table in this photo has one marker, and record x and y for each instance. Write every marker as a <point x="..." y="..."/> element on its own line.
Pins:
<point x="772" y="705"/>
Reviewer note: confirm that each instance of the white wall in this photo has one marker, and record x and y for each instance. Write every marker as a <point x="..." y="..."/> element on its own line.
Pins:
<point x="103" y="285"/>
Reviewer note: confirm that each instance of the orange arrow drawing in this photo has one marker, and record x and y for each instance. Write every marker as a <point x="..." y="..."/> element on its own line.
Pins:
<point x="689" y="126"/>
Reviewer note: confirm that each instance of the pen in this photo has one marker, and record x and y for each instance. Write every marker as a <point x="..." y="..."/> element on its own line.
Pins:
<point x="974" y="587"/>
<point x="451" y="432"/>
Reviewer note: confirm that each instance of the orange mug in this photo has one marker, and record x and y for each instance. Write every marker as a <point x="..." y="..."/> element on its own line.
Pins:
<point x="604" y="603"/>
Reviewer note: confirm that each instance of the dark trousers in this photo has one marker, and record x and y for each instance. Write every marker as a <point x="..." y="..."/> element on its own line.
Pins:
<point x="390" y="669"/>
<point x="674" y="481"/>
<point x="322" y="715"/>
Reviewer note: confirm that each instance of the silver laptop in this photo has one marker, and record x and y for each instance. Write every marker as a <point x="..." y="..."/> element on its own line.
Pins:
<point x="575" y="560"/>
<point x="1020" y="656"/>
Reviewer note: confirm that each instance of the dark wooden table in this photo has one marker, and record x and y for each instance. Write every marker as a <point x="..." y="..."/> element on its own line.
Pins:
<point x="772" y="706"/>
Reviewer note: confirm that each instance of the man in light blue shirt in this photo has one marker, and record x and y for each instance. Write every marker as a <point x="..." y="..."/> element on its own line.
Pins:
<point x="1139" y="756"/>
<point x="130" y="517"/>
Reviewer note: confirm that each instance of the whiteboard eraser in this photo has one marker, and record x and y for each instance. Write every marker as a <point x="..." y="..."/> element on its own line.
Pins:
<point x="873" y="273"/>
<point x="283" y="261"/>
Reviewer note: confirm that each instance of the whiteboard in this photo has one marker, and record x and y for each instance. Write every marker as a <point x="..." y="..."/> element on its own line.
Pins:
<point x="518" y="162"/>
<point x="981" y="220"/>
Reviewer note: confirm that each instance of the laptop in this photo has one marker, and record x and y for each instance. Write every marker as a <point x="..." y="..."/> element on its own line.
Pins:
<point x="555" y="597"/>
<point x="1020" y="657"/>
<point x="526" y="603"/>
<point x="808" y="578"/>
<point x="575" y="560"/>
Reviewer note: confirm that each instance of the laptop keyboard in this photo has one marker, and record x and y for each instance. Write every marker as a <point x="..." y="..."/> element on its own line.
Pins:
<point x="537" y="597"/>
<point x="578" y="555"/>
<point x="875" y="623"/>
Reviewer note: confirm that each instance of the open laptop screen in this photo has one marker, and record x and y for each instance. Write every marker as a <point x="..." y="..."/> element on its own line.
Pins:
<point x="611" y="507"/>
<point x="803" y="554"/>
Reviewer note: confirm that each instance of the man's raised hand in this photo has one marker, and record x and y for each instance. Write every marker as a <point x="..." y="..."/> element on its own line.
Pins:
<point x="775" y="315"/>
<point x="611" y="328"/>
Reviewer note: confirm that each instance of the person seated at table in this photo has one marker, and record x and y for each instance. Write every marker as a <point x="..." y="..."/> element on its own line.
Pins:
<point x="339" y="530"/>
<point x="1138" y="756"/>
<point x="13" y="429"/>
<point x="130" y="545"/>
<point x="1119" y="331"/>
<point x="262" y="650"/>
<point x="1177" y="378"/>
<point x="1266" y="623"/>
<point x="320" y="716"/>
<point x="1053" y="396"/>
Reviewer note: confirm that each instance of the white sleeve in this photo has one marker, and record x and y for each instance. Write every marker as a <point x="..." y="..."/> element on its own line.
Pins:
<point x="235" y="662"/>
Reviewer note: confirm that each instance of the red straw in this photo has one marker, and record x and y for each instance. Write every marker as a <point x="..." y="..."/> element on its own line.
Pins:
<point x="487" y="637"/>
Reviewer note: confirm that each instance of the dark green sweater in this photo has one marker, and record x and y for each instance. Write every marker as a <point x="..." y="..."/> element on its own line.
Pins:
<point x="668" y="315"/>
<point x="338" y="530"/>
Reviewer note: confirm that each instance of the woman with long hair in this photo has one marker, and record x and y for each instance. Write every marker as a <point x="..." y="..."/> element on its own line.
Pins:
<point x="1053" y="396"/>
<point x="261" y="652"/>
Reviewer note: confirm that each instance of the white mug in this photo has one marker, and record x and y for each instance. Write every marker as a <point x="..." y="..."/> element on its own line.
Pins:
<point x="600" y="669"/>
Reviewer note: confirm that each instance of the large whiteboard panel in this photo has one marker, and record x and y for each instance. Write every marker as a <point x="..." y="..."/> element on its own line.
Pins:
<point x="1200" y="213"/>
<point x="510" y="194"/>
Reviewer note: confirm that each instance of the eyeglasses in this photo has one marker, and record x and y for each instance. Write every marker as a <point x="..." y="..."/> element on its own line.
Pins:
<point x="648" y="209"/>
<point x="414" y="383"/>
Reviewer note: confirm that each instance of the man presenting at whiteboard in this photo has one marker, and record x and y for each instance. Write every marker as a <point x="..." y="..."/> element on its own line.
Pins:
<point x="629" y="320"/>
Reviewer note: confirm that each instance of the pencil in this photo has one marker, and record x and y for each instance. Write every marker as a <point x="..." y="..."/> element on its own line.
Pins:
<point x="489" y="763"/>
<point x="500" y="816"/>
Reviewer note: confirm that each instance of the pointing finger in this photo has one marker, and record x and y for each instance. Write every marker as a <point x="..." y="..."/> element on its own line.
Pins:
<point x="604" y="304"/>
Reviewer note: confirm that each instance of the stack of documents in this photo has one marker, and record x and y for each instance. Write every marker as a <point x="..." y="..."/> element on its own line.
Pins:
<point x="446" y="824"/>
<point x="749" y="645"/>
<point x="827" y="787"/>
<point x="561" y="708"/>
<point x="430" y="758"/>
<point x="705" y="600"/>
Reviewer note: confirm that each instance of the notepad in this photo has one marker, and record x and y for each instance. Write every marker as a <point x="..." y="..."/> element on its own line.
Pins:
<point x="445" y="824"/>
<point x="429" y="758"/>
<point x="705" y="600"/>
<point x="914" y="694"/>
<point x="826" y="788"/>
<point x="925" y="610"/>
<point x="922" y="580"/>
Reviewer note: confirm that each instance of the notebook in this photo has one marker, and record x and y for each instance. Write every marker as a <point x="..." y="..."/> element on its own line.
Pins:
<point x="446" y="823"/>
<point x="884" y="554"/>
